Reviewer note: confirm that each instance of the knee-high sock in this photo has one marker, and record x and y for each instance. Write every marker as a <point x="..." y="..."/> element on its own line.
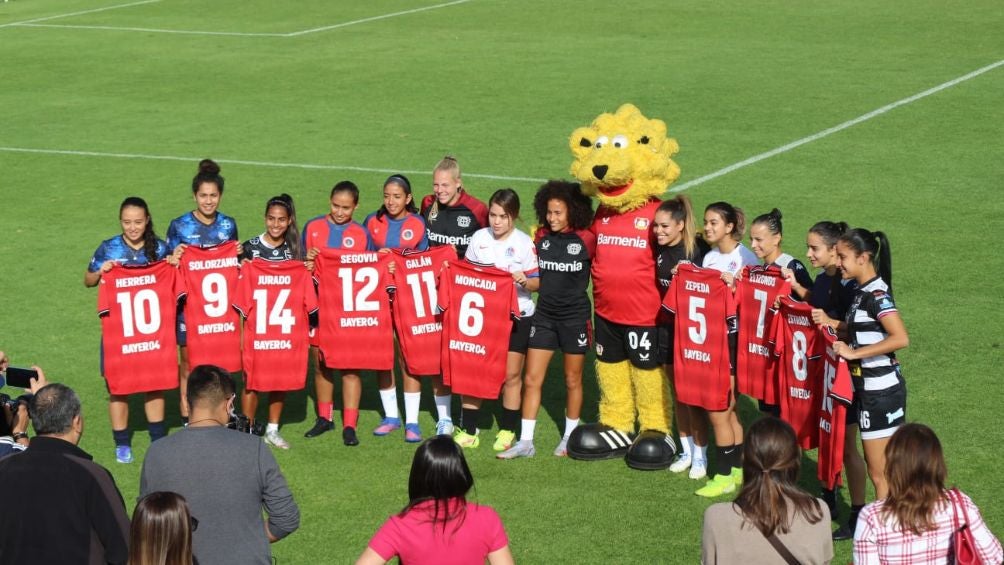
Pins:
<point x="651" y="393"/>
<point x="616" y="395"/>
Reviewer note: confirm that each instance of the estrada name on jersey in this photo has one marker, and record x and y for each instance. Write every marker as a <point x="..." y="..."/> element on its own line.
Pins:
<point x="799" y="348"/>
<point x="190" y="231"/>
<point x="454" y="225"/>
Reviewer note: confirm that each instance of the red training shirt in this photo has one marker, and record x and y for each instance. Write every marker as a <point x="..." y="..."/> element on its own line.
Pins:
<point x="210" y="276"/>
<point x="625" y="290"/>
<point x="419" y="325"/>
<point x="756" y="292"/>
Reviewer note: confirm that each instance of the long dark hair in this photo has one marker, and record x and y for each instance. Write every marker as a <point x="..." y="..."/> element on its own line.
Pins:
<point x="732" y="215"/>
<point x="915" y="471"/>
<point x="150" y="240"/>
<point x="161" y="530"/>
<point x="209" y="172"/>
<point x="771" y="461"/>
<point x="580" y="206"/>
<point x="876" y="245"/>
<point x="439" y="473"/>
<point x="405" y="184"/>
<point x="829" y="231"/>
<point x="292" y="235"/>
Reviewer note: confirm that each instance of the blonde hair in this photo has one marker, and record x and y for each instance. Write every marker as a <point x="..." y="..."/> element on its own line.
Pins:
<point x="448" y="164"/>
<point x="680" y="210"/>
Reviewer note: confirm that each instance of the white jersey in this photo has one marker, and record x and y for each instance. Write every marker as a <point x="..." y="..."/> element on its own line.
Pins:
<point x="514" y="253"/>
<point x="731" y="262"/>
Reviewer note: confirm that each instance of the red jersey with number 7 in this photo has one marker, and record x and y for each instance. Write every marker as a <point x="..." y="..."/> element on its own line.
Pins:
<point x="478" y="304"/>
<point x="418" y="323"/>
<point x="705" y="315"/>
<point x="276" y="299"/>
<point x="756" y="292"/>
<point x="837" y="394"/>
<point x="799" y="368"/>
<point x="210" y="275"/>
<point x="354" y="330"/>
<point x="138" y="308"/>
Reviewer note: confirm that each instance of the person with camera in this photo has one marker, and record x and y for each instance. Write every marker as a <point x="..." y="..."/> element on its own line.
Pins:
<point x="14" y="420"/>
<point x="227" y="477"/>
<point x="64" y="508"/>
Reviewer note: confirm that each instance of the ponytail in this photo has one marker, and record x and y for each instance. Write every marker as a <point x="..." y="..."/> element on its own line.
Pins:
<point x="680" y="210"/>
<point x="772" y="220"/>
<point x="151" y="244"/>
<point x="876" y="245"/>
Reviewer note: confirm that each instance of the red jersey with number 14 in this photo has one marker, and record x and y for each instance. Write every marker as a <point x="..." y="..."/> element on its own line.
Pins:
<point x="138" y="308"/>
<point x="838" y="392"/>
<point x="418" y="323"/>
<point x="354" y="330"/>
<point x="276" y="299"/>
<point x="799" y="369"/>
<point x="478" y="305"/>
<point x="210" y="275"/>
<point x="705" y="316"/>
<point x="756" y="293"/>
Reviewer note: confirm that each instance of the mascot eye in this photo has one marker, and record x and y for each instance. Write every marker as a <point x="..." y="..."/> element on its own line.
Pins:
<point x="620" y="142"/>
<point x="585" y="142"/>
<point x="601" y="141"/>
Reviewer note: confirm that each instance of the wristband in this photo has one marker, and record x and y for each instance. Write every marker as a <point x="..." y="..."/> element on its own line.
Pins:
<point x="19" y="435"/>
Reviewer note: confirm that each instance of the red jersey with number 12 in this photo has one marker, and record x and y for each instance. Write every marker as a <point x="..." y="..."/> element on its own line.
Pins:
<point x="138" y="308"/>
<point x="418" y="323"/>
<point x="799" y="369"/>
<point x="478" y="305"/>
<point x="705" y="316"/>
<point x="354" y="330"/>
<point x="756" y="293"/>
<point x="210" y="275"/>
<point x="276" y="299"/>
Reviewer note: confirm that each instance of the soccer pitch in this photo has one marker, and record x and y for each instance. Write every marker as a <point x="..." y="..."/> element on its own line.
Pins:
<point x="884" y="115"/>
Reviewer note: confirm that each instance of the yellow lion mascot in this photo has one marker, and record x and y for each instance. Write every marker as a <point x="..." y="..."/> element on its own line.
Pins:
<point x="624" y="160"/>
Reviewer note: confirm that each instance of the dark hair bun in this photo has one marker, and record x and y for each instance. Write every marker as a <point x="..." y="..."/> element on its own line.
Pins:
<point x="285" y="198"/>
<point x="208" y="167"/>
<point x="776" y="213"/>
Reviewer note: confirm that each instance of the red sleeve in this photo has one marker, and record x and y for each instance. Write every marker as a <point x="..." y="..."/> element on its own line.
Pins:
<point x="242" y="299"/>
<point x="775" y="335"/>
<point x="386" y="278"/>
<point x="309" y="295"/>
<point x="514" y="310"/>
<point x="670" y="303"/>
<point x="589" y="240"/>
<point x="427" y="201"/>
<point x="104" y="292"/>
<point x="180" y="285"/>
<point x="443" y="293"/>
<point x="386" y="540"/>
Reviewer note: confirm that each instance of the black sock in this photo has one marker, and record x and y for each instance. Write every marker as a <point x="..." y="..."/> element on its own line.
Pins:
<point x="855" y="510"/>
<point x="121" y="437"/>
<point x="737" y="456"/>
<point x="723" y="463"/>
<point x="509" y="420"/>
<point x="469" y="419"/>
<point x="829" y="496"/>
<point x="157" y="430"/>
<point x="184" y="420"/>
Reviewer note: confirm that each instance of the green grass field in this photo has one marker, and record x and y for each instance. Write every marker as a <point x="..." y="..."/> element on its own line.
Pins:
<point x="99" y="104"/>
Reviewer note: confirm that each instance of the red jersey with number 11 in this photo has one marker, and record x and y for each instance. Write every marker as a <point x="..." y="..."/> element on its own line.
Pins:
<point x="756" y="293"/>
<point x="799" y="369"/>
<point x="138" y="308"/>
<point x="210" y="275"/>
<point x="838" y="391"/>
<point x="418" y="323"/>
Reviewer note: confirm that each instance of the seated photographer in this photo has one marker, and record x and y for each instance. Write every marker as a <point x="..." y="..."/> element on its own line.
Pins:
<point x="226" y="476"/>
<point x="14" y="419"/>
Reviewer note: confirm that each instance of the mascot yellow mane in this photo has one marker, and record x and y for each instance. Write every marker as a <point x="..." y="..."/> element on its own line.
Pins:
<point x="624" y="159"/>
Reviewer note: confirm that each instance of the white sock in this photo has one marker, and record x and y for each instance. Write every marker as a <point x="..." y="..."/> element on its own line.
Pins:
<point x="527" y="428"/>
<point x="271" y="428"/>
<point x="700" y="452"/>
<point x="389" y="399"/>
<point x="570" y="425"/>
<point x="443" y="406"/>
<point x="411" y="402"/>
<point x="688" y="445"/>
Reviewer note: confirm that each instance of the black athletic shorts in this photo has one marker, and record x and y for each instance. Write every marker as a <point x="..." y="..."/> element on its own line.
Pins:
<point x="666" y="339"/>
<point x="573" y="338"/>
<point x="881" y="412"/>
<point x="637" y="344"/>
<point x="520" y="336"/>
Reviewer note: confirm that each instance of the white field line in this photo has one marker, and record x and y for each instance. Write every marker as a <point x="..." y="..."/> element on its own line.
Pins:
<point x="840" y="127"/>
<point x="375" y="18"/>
<point x="95" y="10"/>
<point x="156" y="30"/>
<point x="251" y="163"/>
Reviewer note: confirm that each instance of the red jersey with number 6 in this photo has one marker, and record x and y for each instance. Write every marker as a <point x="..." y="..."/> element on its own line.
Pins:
<point x="138" y="308"/>
<point x="478" y="304"/>
<point x="756" y="293"/>
<point x="210" y="275"/>
<point x="354" y="330"/>
<point x="799" y="369"/>
<point x="705" y="315"/>
<point x="418" y="323"/>
<point x="276" y="299"/>
<point x="838" y="391"/>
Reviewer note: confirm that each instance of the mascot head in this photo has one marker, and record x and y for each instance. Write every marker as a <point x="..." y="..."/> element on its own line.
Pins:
<point x="624" y="158"/>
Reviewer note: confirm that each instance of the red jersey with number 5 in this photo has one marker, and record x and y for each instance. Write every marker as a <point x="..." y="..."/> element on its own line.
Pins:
<point x="756" y="293"/>
<point x="210" y="275"/>
<point x="478" y="304"/>
<point x="705" y="315"/>
<point x="418" y="323"/>
<point x="138" y="308"/>
<point x="354" y="330"/>
<point x="799" y="369"/>
<point x="276" y="299"/>
<point x="837" y="394"/>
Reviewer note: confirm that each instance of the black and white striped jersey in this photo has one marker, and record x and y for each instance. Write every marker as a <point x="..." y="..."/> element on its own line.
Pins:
<point x="871" y="303"/>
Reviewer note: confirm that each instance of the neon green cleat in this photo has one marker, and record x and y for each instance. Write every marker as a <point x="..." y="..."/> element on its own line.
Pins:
<point x="717" y="486"/>
<point x="737" y="476"/>
<point x="466" y="440"/>
<point x="504" y="440"/>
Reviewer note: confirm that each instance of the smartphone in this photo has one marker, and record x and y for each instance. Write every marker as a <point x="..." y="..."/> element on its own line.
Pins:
<point x="19" y="377"/>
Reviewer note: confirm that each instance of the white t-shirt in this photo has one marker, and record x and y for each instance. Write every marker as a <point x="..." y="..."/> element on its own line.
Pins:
<point x="514" y="253"/>
<point x="731" y="262"/>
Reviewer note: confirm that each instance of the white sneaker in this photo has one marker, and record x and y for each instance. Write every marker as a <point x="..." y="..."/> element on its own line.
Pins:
<point x="562" y="449"/>
<point x="274" y="439"/>
<point x="698" y="469"/>
<point x="519" y="449"/>
<point x="445" y="427"/>
<point x="681" y="463"/>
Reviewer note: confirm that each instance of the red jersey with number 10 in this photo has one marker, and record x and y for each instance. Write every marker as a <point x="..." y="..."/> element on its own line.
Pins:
<point x="705" y="316"/>
<point x="478" y="305"/>
<point x="756" y="293"/>
<point x="354" y="330"/>
<point x="838" y="391"/>
<point x="799" y="369"/>
<point x="210" y="275"/>
<point x="138" y="308"/>
<point x="418" y="323"/>
<point x="276" y="299"/>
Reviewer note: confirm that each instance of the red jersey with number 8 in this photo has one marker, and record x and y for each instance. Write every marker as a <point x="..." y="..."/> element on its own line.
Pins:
<point x="210" y="275"/>
<point x="418" y="323"/>
<point x="478" y="305"/>
<point x="799" y="369"/>
<point x="138" y="308"/>
<point x="756" y="292"/>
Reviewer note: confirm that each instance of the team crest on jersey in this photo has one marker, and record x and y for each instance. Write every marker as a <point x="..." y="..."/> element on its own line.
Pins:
<point x="546" y="245"/>
<point x="510" y="252"/>
<point x="225" y="225"/>
<point x="640" y="223"/>
<point x="433" y="214"/>
<point x="599" y="349"/>
<point x="407" y="234"/>
<point x="733" y="267"/>
<point x="275" y="252"/>
<point x="574" y="248"/>
<point x="463" y="221"/>
<point x="348" y="242"/>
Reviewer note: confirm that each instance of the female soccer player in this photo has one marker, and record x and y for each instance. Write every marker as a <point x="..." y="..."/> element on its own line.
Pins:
<point x="765" y="241"/>
<point x="676" y="233"/>
<point x="510" y="250"/>
<point x="451" y="216"/>
<point x="336" y="230"/>
<point x="724" y="225"/>
<point x="279" y="242"/>
<point x="565" y="249"/>
<point x="204" y="226"/>
<point x="138" y="244"/>
<point x="397" y="225"/>
<point x="875" y="332"/>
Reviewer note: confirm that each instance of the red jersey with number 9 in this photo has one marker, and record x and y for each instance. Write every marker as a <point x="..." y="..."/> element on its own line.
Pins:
<point x="418" y="323"/>
<point x="210" y="275"/>
<point x="756" y="292"/>
<point x="799" y="368"/>
<point x="354" y="330"/>
<point x="705" y="316"/>
<point x="138" y="308"/>
<point x="478" y="304"/>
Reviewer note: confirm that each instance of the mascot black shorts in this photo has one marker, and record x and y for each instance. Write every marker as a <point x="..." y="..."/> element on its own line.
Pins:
<point x="637" y="344"/>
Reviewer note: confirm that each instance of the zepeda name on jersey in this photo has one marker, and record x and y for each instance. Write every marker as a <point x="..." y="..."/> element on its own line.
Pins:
<point x="464" y="280"/>
<point x="561" y="266"/>
<point x="766" y="281"/>
<point x="141" y="347"/>
<point x="144" y="280"/>
<point x="359" y="258"/>
<point x="429" y="328"/>
<point x="696" y="286"/>
<point x="621" y="241"/>
<point x="696" y="355"/>
<point x="272" y="344"/>
<point x="213" y="264"/>
<point x="219" y="328"/>
<point x="274" y="280"/>
<point x="443" y="239"/>
<point x="359" y="322"/>
<point x="468" y="347"/>
<point x="418" y="263"/>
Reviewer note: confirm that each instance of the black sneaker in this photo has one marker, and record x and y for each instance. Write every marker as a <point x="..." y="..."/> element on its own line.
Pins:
<point x="844" y="532"/>
<point x="349" y="437"/>
<point x="320" y="426"/>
